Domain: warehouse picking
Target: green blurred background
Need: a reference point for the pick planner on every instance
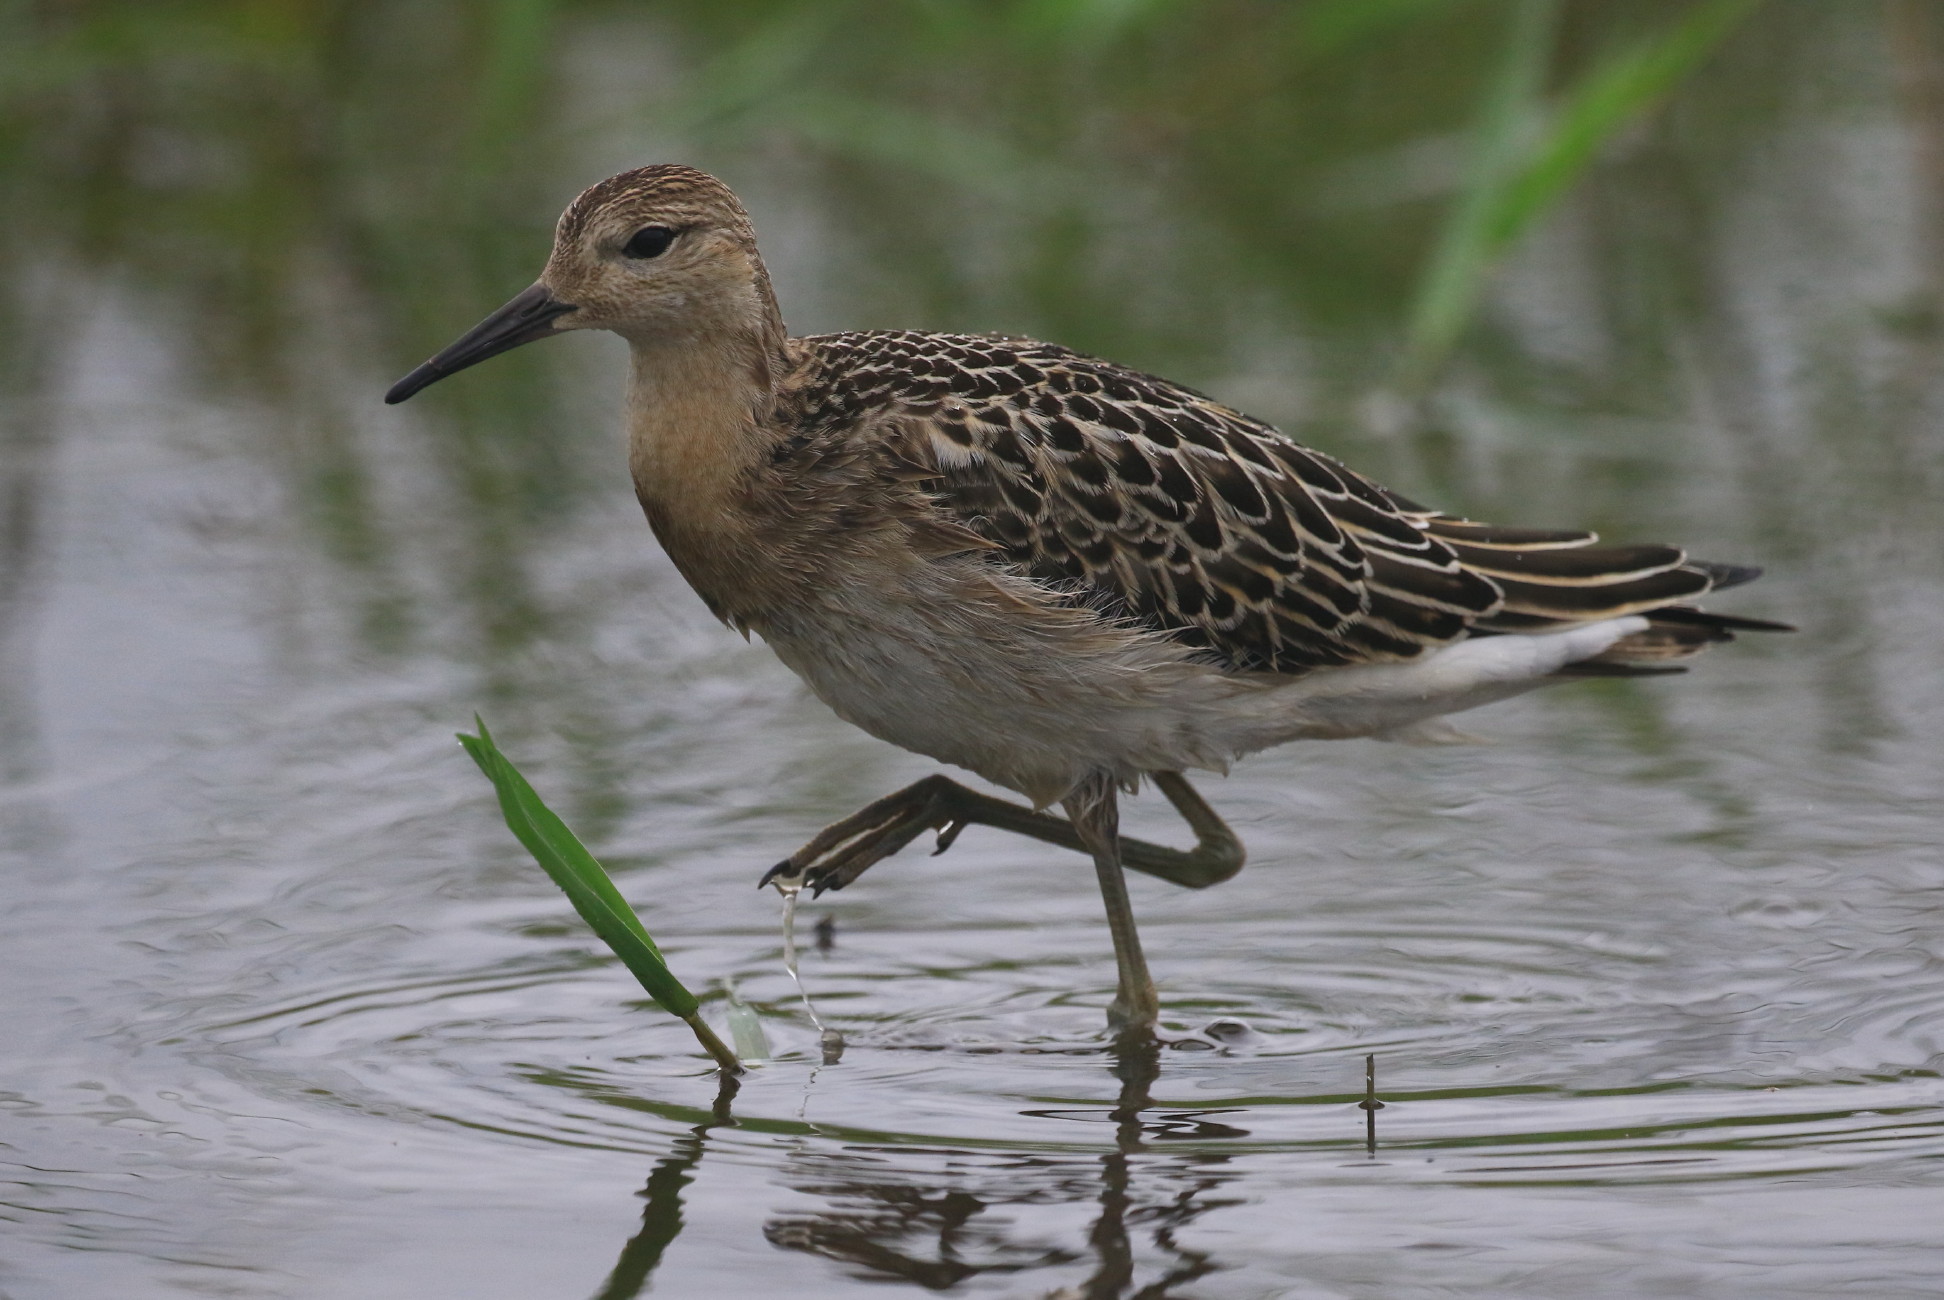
(1366, 219)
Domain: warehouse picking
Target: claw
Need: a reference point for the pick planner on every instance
(947, 835)
(783, 868)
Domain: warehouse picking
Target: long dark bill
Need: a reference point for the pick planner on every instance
(528, 317)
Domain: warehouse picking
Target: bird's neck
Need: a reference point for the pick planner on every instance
(695, 409)
(702, 387)
(697, 433)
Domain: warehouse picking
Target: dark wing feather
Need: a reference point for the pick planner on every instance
(1158, 505)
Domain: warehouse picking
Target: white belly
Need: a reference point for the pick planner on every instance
(1035, 698)
(1029, 711)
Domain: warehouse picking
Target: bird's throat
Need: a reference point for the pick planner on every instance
(693, 432)
(694, 444)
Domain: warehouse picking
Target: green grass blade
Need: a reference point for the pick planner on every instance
(1604, 102)
(579, 876)
(545, 835)
(1466, 247)
(1517, 175)
(588, 888)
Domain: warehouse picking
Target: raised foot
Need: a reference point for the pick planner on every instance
(842, 851)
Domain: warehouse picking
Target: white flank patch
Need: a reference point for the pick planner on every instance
(1384, 698)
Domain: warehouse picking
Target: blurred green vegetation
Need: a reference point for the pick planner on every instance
(219, 149)
(311, 195)
(296, 189)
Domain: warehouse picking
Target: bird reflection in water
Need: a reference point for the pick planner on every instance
(892, 1227)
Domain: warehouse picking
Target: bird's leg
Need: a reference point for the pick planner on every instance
(842, 851)
(1217, 854)
(1094, 810)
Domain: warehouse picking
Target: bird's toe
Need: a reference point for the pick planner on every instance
(818, 879)
(948, 833)
(780, 874)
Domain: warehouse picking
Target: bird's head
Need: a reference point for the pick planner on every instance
(661, 253)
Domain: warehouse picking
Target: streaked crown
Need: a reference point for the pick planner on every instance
(660, 249)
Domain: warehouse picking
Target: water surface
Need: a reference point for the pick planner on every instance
(1654, 973)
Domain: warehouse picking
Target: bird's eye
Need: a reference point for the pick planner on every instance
(649, 241)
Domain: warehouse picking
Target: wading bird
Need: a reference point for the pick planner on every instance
(1061, 574)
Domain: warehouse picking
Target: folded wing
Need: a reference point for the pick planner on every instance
(1157, 505)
